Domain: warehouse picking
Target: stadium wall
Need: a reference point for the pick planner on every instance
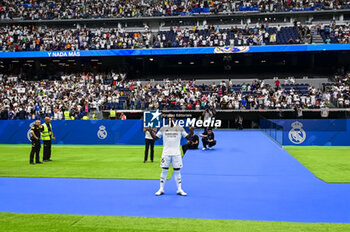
(315, 132)
(78, 132)
(303, 132)
(178, 51)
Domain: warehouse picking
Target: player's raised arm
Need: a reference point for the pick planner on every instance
(189, 135)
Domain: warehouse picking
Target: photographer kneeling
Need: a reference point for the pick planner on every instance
(208, 139)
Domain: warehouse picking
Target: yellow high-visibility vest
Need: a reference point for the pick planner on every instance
(46, 134)
(112, 114)
(66, 115)
(85, 118)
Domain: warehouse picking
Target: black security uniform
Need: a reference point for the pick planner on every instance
(36, 144)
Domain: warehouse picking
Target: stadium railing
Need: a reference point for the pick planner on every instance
(272, 129)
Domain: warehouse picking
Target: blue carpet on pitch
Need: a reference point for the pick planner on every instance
(246, 176)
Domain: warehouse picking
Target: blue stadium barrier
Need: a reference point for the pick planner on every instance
(317, 132)
(248, 8)
(304, 132)
(78, 132)
(200, 10)
(122, 132)
(178, 51)
(308, 8)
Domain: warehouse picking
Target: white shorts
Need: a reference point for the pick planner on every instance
(175, 160)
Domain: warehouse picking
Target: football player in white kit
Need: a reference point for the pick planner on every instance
(171, 153)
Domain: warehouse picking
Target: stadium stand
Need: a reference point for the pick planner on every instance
(334, 33)
(42, 38)
(79, 25)
(75, 9)
(83, 93)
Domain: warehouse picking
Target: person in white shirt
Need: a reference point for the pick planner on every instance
(149, 141)
(172, 135)
(324, 111)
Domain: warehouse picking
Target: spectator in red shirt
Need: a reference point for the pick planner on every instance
(122, 116)
(277, 83)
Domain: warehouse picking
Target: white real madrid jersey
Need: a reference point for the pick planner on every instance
(171, 140)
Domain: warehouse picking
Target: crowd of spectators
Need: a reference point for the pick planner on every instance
(77, 9)
(333, 33)
(82, 93)
(41, 38)
(32, 38)
(291, 5)
(249, 35)
(340, 91)
(256, 95)
(211, 36)
(78, 94)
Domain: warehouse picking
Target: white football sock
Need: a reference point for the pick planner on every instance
(163, 176)
(178, 179)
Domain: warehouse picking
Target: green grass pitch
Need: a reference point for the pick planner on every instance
(78, 223)
(330, 164)
(79, 161)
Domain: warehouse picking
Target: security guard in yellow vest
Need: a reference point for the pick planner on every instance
(112, 114)
(85, 117)
(47, 136)
(94, 117)
(66, 115)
